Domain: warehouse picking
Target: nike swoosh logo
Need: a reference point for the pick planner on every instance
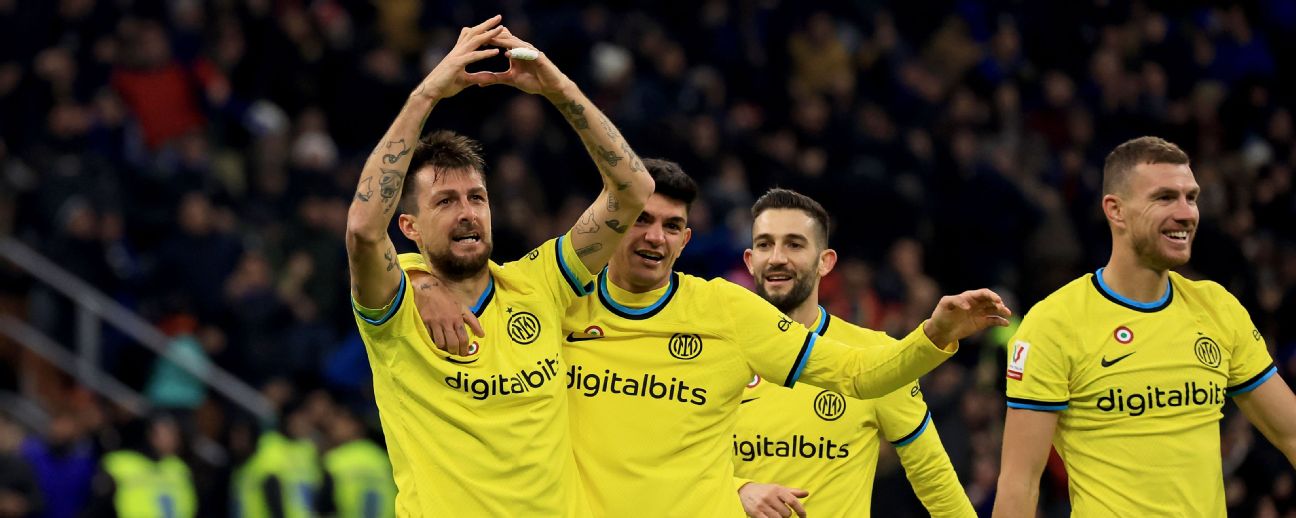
(748, 400)
(571, 337)
(1109, 363)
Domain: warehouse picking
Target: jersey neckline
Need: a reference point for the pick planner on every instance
(821, 323)
(1145, 307)
(484, 300)
(632, 313)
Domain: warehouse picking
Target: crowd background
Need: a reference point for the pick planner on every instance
(195, 160)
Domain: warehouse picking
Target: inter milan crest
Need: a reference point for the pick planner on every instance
(1208, 352)
(829, 405)
(523, 327)
(685, 346)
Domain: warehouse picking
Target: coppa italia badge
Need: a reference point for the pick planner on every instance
(1123, 335)
(1017, 360)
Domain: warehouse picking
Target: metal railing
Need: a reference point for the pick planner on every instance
(93, 309)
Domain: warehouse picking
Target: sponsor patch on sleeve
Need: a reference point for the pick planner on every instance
(1017, 360)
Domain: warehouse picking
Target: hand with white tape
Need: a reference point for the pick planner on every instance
(529, 69)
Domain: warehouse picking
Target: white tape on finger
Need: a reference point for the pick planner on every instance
(524, 54)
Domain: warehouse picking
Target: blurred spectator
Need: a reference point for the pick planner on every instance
(64, 463)
(191, 157)
(20, 496)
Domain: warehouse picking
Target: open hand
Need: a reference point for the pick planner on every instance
(958, 316)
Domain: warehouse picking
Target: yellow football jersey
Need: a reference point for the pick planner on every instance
(484, 434)
(818, 440)
(1139, 388)
(655, 381)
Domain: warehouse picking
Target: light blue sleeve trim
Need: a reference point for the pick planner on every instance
(391, 307)
(572, 280)
(1042, 408)
(917, 433)
(1273, 369)
(805, 358)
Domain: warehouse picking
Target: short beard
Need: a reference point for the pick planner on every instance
(800, 291)
(1145, 250)
(454, 268)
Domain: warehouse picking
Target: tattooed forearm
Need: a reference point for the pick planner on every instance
(587, 225)
(616, 226)
(613, 205)
(389, 186)
(609, 128)
(365, 191)
(608, 156)
(636, 165)
(395, 150)
(390, 256)
(593, 247)
(574, 113)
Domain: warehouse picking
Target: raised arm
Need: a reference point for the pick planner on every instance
(626, 183)
(371, 257)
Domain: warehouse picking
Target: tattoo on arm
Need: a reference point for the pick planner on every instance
(389, 186)
(636, 165)
(608, 156)
(613, 205)
(391, 158)
(616, 226)
(390, 256)
(575, 113)
(587, 225)
(365, 191)
(609, 128)
(593, 247)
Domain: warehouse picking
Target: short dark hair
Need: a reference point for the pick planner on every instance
(1143, 150)
(671, 181)
(779, 198)
(442, 150)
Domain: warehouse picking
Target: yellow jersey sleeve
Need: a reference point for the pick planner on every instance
(1038, 369)
(871, 369)
(1250, 365)
(907, 424)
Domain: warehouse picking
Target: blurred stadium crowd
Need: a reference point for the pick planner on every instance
(195, 160)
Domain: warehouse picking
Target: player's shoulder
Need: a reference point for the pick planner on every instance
(844, 331)
(1203, 291)
(1064, 301)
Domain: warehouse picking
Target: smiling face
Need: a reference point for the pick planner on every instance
(1156, 214)
(786, 257)
(452, 221)
(649, 250)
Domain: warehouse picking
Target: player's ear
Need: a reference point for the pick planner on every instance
(827, 261)
(407, 227)
(1114, 210)
(688, 234)
(747, 260)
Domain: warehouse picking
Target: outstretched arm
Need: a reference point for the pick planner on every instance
(375, 274)
(626, 183)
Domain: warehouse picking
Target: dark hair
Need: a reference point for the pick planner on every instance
(441, 150)
(1143, 150)
(778, 198)
(671, 181)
